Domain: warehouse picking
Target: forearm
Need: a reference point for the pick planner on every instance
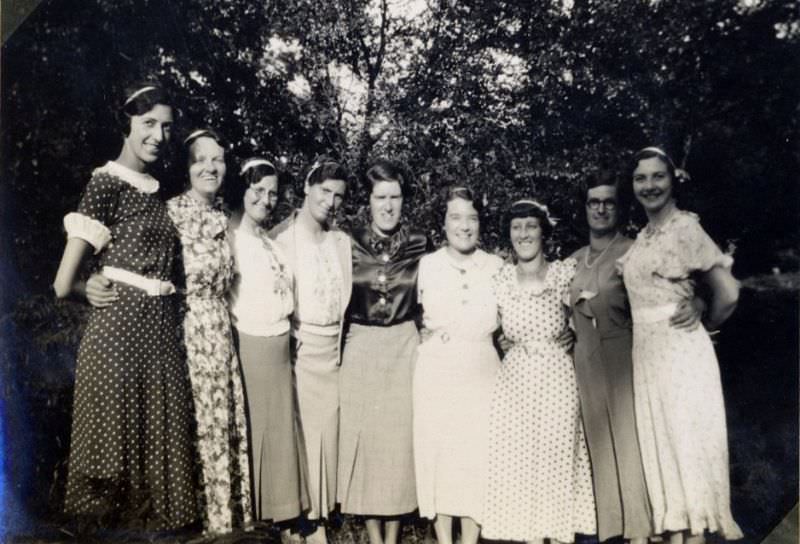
(66, 282)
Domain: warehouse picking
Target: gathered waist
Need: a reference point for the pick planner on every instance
(653, 314)
(153, 287)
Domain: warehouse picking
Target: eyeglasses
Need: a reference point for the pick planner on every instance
(261, 192)
(595, 203)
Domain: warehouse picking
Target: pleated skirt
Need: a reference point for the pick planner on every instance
(278, 484)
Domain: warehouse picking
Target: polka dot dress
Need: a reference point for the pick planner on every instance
(539, 475)
(131, 449)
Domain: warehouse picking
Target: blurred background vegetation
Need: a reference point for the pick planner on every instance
(511, 98)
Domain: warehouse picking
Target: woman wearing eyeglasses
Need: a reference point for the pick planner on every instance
(603, 368)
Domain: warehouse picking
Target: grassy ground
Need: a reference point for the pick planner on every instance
(758, 351)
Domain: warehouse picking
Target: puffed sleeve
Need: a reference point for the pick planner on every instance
(689, 250)
(699, 250)
(95, 212)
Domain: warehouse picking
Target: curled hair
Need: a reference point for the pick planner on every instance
(601, 178)
(251, 171)
(138, 99)
(523, 209)
(323, 169)
(386, 170)
(455, 192)
(187, 146)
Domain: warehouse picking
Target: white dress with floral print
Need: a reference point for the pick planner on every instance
(680, 412)
(213, 366)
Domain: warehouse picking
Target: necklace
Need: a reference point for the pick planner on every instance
(586, 257)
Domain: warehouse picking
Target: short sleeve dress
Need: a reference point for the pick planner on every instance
(680, 412)
(131, 447)
(604, 335)
(539, 475)
(453, 379)
(213, 365)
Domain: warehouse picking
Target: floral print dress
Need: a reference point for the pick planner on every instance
(213, 365)
(680, 412)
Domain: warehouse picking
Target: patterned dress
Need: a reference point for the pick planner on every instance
(131, 449)
(680, 412)
(213, 366)
(539, 475)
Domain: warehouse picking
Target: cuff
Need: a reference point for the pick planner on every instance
(93, 231)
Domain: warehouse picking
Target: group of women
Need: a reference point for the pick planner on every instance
(254, 375)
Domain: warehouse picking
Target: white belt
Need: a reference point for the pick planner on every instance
(154, 288)
(653, 314)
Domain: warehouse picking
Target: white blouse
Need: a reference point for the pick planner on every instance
(457, 296)
(261, 298)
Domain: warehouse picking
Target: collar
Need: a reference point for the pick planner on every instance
(650, 230)
(476, 261)
(388, 244)
(140, 181)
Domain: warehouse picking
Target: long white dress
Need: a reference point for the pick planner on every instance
(540, 482)
(453, 381)
(680, 412)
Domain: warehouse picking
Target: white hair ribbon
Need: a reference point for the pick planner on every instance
(255, 162)
(540, 206)
(195, 134)
(137, 93)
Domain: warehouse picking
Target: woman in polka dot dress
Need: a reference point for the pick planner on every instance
(130, 454)
(539, 475)
(213, 365)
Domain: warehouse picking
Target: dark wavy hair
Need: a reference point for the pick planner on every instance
(249, 177)
(386, 170)
(139, 98)
(601, 178)
(522, 209)
(454, 192)
(325, 168)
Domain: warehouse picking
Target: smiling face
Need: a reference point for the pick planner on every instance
(462, 225)
(149, 134)
(385, 204)
(526, 237)
(323, 199)
(206, 167)
(652, 184)
(602, 211)
(260, 198)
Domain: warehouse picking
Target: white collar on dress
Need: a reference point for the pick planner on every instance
(476, 261)
(138, 180)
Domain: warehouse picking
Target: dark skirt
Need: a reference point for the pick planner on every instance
(279, 491)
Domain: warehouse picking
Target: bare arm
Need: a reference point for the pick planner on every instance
(98, 290)
(75, 252)
(724, 295)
